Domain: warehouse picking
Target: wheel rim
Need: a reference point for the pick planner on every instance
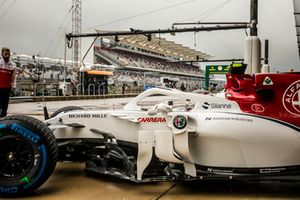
(16, 157)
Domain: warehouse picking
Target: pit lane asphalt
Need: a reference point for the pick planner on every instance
(70, 182)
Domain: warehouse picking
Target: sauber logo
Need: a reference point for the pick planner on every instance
(291, 98)
(151, 119)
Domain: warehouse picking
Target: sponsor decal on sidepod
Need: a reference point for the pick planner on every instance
(151, 119)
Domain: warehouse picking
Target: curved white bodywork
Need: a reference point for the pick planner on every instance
(213, 133)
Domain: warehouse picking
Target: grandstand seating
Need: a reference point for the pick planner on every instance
(134, 66)
(142, 67)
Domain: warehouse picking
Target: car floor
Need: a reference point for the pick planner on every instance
(70, 182)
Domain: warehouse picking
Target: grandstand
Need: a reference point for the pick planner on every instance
(139, 61)
(134, 61)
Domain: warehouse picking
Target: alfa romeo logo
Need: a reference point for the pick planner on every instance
(180, 122)
(291, 98)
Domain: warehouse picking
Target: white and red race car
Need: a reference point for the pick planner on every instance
(252, 133)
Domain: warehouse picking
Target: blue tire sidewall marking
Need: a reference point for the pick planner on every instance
(41, 148)
(10, 189)
(24, 132)
(2, 126)
(44, 157)
(33, 138)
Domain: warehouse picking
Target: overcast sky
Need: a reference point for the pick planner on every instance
(38, 26)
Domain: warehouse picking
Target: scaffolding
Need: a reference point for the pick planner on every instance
(76, 28)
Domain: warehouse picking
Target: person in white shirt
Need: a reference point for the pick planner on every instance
(7, 79)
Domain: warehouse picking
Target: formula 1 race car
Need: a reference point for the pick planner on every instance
(251, 133)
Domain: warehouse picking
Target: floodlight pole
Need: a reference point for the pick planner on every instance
(65, 61)
(266, 52)
(252, 50)
(253, 18)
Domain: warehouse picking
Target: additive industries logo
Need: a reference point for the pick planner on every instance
(291, 98)
(180, 122)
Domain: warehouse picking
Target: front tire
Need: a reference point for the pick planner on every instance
(28, 154)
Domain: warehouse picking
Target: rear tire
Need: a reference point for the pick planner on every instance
(28, 154)
(65, 109)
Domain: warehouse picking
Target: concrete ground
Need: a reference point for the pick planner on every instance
(69, 181)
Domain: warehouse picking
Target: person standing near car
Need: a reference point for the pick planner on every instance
(7, 79)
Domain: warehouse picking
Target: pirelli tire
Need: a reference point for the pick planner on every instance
(65, 109)
(28, 155)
